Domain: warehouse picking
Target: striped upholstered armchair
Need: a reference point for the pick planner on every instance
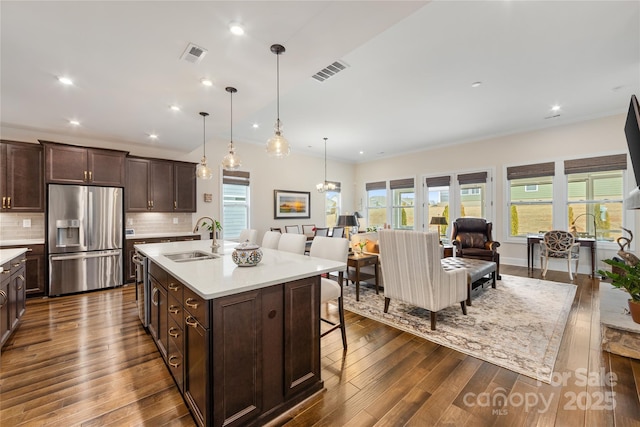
(413, 273)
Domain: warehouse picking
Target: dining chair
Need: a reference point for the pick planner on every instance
(322, 231)
(291, 242)
(338, 232)
(271, 239)
(336, 250)
(250, 235)
(292, 229)
(308, 230)
(559, 244)
(278, 229)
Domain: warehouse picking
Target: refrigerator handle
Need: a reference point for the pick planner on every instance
(85, 255)
(90, 220)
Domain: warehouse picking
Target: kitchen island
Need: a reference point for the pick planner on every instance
(242, 343)
(12, 290)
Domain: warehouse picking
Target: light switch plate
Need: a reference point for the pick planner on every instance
(175, 220)
(26, 223)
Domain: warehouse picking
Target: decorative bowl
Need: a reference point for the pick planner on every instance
(246, 254)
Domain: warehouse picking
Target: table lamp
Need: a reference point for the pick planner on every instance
(347, 221)
(438, 220)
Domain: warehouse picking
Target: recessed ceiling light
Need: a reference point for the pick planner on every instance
(65, 80)
(206, 82)
(555, 108)
(256, 126)
(361, 152)
(476, 84)
(236, 29)
(74, 122)
(175, 108)
(153, 136)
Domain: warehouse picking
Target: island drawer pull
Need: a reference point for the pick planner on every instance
(174, 287)
(154, 292)
(23, 260)
(174, 332)
(174, 309)
(191, 303)
(4, 295)
(190, 321)
(17, 264)
(6, 271)
(21, 277)
(171, 361)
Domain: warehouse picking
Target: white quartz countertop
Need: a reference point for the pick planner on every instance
(157, 235)
(214, 278)
(7, 255)
(21, 242)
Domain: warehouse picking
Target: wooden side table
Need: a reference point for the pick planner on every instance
(357, 261)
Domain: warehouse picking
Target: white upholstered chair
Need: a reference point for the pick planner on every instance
(292, 229)
(291, 242)
(413, 274)
(336, 250)
(271, 239)
(559, 244)
(250, 235)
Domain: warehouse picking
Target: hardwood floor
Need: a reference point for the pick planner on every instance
(86, 360)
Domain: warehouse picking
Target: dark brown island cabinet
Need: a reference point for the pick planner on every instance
(71, 164)
(12, 296)
(242, 359)
(21, 181)
(158, 185)
(35, 269)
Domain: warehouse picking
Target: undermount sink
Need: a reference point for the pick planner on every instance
(191, 256)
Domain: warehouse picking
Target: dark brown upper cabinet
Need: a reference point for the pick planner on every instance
(70, 164)
(21, 183)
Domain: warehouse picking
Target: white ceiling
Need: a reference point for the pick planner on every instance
(407, 87)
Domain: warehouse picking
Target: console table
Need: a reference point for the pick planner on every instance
(584, 241)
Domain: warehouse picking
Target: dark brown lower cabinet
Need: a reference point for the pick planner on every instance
(248, 357)
(13, 296)
(35, 268)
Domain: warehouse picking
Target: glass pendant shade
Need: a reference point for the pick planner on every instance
(231, 161)
(277, 145)
(202, 170)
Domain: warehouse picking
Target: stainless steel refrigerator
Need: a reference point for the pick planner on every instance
(84, 238)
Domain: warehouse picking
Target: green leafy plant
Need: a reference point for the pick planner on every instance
(628, 279)
(210, 226)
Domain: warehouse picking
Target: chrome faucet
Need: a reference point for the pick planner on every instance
(214, 243)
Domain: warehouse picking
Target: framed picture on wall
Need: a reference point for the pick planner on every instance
(291, 204)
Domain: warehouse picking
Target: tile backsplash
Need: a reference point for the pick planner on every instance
(12, 226)
(158, 222)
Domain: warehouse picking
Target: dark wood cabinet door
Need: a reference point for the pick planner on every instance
(197, 372)
(106, 167)
(237, 359)
(23, 182)
(35, 275)
(5, 325)
(137, 188)
(65, 164)
(301, 335)
(161, 186)
(185, 187)
(163, 321)
(154, 304)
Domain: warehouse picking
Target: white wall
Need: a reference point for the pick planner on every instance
(585, 139)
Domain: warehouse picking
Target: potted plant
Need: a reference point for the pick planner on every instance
(626, 277)
(210, 227)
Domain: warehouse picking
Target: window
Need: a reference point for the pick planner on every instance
(403, 197)
(530, 211)
(332, 206)
(235, 203)
(595, 189)
(376, 203)
(473, 194)
(437, 190)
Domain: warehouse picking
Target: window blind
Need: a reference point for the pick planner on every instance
(596, 164)
(235, 177)
(401, 183)
(380, 185)
(438, 181)
(531, 171)
(472, 178)
(337, 184)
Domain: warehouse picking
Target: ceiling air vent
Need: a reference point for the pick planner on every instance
(193, 53)
(329, 71)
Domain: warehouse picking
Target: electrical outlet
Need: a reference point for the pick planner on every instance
(130, 221)
(26, 223)
(175, 220)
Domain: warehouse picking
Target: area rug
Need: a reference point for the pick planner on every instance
(518, 326)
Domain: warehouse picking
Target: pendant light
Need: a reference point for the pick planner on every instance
(231, 161)
(203, 171)
(325, 186)
(277, 145)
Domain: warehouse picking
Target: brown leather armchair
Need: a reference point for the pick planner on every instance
(472, 239)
